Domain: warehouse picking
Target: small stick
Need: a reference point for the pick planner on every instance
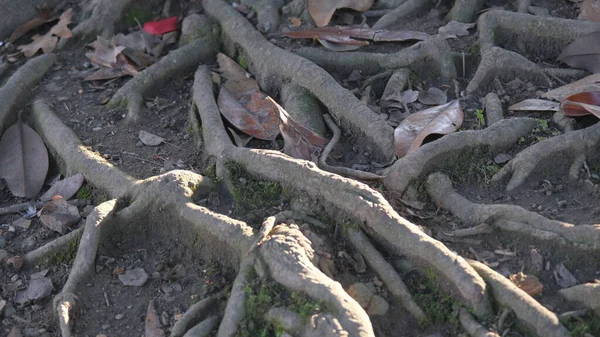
(106, 298)
(479, 229)
(336, 169)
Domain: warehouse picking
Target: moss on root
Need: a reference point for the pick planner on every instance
(584, 326)
(61, 256)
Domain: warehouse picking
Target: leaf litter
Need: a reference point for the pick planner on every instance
(45, 16)
(348, 35)
(583, 52)
(47, 43)
(581, 104)
(59, 215)
(454, 29)
(322, 10)
(65, 188)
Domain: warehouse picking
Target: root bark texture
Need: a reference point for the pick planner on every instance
(408, 8)
(527, 309)
(510, 217)
(470, 324)
(588, 294)
(570, 145)
(498, 137)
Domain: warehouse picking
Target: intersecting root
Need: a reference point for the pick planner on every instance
(18, 87)
(320, 325)
(177, 63)
(498, 137)
(528, 310)
(102, 15)
(352, 198)
(473, 327)
(510, 217)
(588, 294)
(192, 316)
(408, 8)
(580, 143)
(385, 271)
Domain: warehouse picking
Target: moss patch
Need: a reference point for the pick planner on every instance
(582, 326)
(62, 256)
(437, 305)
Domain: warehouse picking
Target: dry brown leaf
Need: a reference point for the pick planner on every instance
(589, 83)
(590, 10)
(338, 46)
(322, 10)
(238, 81)
(254, 115)
(533, 104)
(528, 283)
(433, 96)
(46, 43)
(583, 53)
(442, 119)
(61, 29)
(454, 29)
(44, 17)
(59, 215)
(297, 22)
(66, 188)
(105, 52)
(347, 35)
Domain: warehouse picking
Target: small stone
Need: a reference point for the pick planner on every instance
(86, 211)
(361, 293)
(39, 288)
(81, 91)
(134, 277)
(12, 229)
(378, 306)
(139, 144)
(105, 326)
(23, 223)
(539, 11)
(164, 318)
(98, 128)
(377, 282)
(537, 261)
(502, 158)
(119, 317)
(86, 64)
(540, 208)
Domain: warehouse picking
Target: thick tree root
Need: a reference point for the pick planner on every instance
(465, 10)
(473, 327)
(102, 18)
(352, 198)
(431, 59)
(588, 294)
(177, 63)
(510, 217)
(408, 8)
(541, 320)
(536, 35)
(192, 317)
(498, 137)
(274, 66)
(18, 87)
(493, 108)
(320, 325)
(385, 271)
(236, 305)
(580, 143)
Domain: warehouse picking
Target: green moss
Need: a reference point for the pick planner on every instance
(588, 324)
(252, 196)
(480, 117)
(61, 256)
(102, 197)
(420, 188)
(85, 192)
(437, 305)
(473, 166)
(475, 49)
(211, 172)
(242, 61)
(262, 296)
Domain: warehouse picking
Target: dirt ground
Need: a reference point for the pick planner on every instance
(179, 275)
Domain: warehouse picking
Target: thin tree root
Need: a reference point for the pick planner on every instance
(344, 171)
(588, 294)
(204, 328)
(56, 246)
(18, 87)
(103, 17)
(477, 230)
(493, 108)
(569, 145)
(564, 122)
(235, 310)
(431, 60)
(196, 125)
(385, 271)
(192, 316)
(473, 327)
(465, 10)
(527, 309)
(509, 217)
(355, 199)
(273, 66)
(178, 62)
(408, 8)
(498, 137)
(319, 325)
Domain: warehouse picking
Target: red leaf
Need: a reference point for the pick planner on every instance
(161, 26)
(581, 104)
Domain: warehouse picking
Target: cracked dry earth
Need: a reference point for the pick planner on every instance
(251, 242)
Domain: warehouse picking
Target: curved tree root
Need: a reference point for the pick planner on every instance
(274, 66)
(178, 62)
(385, 271)
(18, 87)
(408, 8)
(580, 143)
(472, 326)
(236, 305)
(510, 217)
(102, 15)
(498, 137)
(588, 294)
(430, 59)
(320, 325)
(541, 320)
(354, 199)
(535, 35)
(192, 316)
(53, 247)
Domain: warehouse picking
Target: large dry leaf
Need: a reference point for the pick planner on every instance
(528, 283)
(589, 83)
(44, 17)
(23, 160)
(59, 215)
(533, 104)
(152, 328)
(339, 47)
(322, 10)
(433, 96)
(581, 104)
(238, 81)
(105, 52)
(66, 188)
(590, 10)
(583, 53)
(255, 115)
(298, 141)
(348, 35)
(47, 43)
(442, 119)
(61, 29)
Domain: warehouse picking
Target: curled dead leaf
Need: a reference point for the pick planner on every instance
(583, 53)
(254, 114)
(59, 215)
(581, 104)
(238, 81)
(528, 283)
(44, 17)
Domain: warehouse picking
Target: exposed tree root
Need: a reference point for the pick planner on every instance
(535, 35)
(510, 217)
(18, 87)
(493, 108)
(352, 198)
(192, 316)
(17, 208)
(102, 17)
(465, 10)
(588, 294)
(477, 230)
(564, 122)
(204, 328)
(177, 63)
(61, 244)
(408, 8)
(385, 271)
(274, 66)
(473, 327)
(348, 172)
(431, 59)
(528, 310)
(498, 137)
(581, 143)
(235, 310)
(320, 325)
